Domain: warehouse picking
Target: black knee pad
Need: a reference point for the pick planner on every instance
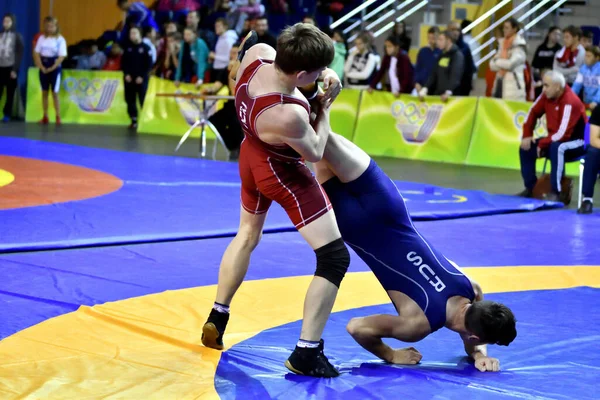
(333, 261)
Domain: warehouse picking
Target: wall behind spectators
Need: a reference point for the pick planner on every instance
(82, 19)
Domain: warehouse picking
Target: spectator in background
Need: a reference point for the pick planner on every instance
(398, 67)
(151, 39)
(570, 58)
(426, 59)
(341, 50)
(543, 59)
(171, 56)
(136, 64)
(445, 78)
(490, 76)
(466, 81)
(588, 78)
(243, 10)
(208, 35)
(587, 39)
(50, 52)
(193, 59)
(401, 36)
(137, 15)
(468, 39)
(361, 64)
(592, 164)
(509, 64)
(175, 9)
(225, 120)
(261, 26)
(91, 58)
(11, 55)
(220, 57)
(565, 121)
(309, 19)
(113, 60)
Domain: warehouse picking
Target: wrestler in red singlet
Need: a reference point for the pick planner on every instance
(274, 172)
(275, 118)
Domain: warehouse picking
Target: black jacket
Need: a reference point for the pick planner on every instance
(18, 46)
(447, 73)
(137, 60)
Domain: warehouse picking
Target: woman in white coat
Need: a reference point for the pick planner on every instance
(509, 63)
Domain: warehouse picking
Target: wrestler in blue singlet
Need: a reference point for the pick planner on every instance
(373, 220)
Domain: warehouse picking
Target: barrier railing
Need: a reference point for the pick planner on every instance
(464, 130)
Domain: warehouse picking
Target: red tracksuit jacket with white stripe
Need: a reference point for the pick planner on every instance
(562, 116)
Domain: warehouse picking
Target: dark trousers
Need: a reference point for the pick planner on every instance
(590, 172)
(559, 153)
(11, 85)
(226, 122)
(133, 91)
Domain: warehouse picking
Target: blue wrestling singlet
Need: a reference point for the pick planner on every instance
(373, 220)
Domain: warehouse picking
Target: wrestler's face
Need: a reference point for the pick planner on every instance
(586, 42)
(360, 45)
(171, 28)
(50, 28)
(306, 78)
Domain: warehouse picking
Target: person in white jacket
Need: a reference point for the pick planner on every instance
(570, 58)
(220, 57)
(361, 64)
(509, 63)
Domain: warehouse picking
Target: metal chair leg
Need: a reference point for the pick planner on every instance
(580, 194)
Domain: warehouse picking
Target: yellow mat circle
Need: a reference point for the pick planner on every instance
(148, 347)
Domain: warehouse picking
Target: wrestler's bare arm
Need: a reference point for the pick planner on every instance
(369, 331)
(288, 123)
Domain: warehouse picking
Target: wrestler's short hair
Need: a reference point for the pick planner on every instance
(448, 36)
(492, 322)
(573, 31)
(303, 47)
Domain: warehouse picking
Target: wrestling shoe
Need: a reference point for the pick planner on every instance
(586, 207)
(213, 330)
(311, 362)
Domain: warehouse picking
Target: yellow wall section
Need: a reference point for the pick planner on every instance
(83, 19)
(148, 347)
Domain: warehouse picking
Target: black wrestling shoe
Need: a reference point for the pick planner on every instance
(213, 330)
(527, 193)
(311, 362)
(586, 207)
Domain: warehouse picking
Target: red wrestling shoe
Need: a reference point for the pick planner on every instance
(44, 121)
(58, 122)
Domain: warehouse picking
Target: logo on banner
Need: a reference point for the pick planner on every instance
(540, 129)
(92, 95)
(416, 121)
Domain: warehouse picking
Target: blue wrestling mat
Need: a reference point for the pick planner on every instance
(164, 199)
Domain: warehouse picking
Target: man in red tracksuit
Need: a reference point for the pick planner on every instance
(565, 121)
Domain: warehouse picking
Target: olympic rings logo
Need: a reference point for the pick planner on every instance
(540, 130)
(91, 95)
(416, 121)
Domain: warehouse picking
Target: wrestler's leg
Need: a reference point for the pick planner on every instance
(232, 271)
(321, 293)
(236, 258)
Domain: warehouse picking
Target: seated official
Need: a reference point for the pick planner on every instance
(565, 122)
(592, 164)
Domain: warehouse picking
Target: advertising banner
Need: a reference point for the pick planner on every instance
(497, 135)
(86, 97)
(405, 127)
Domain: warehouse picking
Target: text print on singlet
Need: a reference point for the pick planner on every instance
(243, 112)
(424, 269)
